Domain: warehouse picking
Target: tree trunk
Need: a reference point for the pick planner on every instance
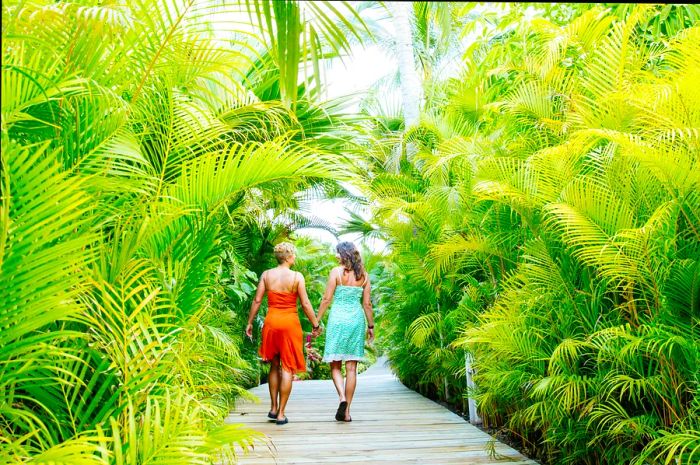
(411, 91)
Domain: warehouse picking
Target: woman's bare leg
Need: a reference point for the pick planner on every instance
(337, 376)
(285, 390)
(273, 383)
(350, 383)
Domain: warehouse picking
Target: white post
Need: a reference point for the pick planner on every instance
(474, 418)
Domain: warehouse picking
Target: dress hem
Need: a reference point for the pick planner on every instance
(295, 371)
(343, 358)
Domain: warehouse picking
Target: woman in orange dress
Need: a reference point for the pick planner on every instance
(281, 334)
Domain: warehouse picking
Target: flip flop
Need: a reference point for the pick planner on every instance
(272, 416)
(282, 422)
(340, 413)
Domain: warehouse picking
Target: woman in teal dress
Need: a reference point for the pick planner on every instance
(349, 290)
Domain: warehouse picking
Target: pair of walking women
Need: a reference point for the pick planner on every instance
(348, 290)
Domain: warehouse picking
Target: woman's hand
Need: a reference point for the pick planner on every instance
(249, 331)
(370, 335)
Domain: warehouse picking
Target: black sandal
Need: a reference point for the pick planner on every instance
(282, 422)
(272, 416)
(340, 413)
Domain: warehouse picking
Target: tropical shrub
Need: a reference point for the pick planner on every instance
(547, 224)
(135, 154)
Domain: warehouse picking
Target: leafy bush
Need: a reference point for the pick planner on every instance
(546, 222)
(136, 155)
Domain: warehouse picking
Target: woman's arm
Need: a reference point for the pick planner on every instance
(328, 295)
(255, 306)
(305, 302)
(369, 312)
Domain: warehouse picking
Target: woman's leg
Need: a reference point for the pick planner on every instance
(273, 382)
(285, 390)
(350, 383)
(337, 376)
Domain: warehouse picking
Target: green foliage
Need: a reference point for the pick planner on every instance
(138, 171)
(548, 225)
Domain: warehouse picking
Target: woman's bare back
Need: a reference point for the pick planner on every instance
(281, 280)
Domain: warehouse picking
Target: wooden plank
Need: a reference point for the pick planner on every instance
(391, 425)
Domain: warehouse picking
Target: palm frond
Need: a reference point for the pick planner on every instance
(210, 180)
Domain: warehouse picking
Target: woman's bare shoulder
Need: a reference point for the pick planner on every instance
(365, 280)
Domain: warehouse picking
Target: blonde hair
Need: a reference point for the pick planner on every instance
(283, 251)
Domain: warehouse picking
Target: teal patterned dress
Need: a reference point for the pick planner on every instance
(345, 332)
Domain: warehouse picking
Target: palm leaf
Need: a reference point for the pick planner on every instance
(210, 180)
(46, 244)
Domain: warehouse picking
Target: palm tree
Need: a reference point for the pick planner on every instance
(300, 33)
(411, 91)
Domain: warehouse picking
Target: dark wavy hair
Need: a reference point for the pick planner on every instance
(350, 258)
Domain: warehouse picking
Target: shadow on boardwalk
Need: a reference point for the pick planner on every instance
(391, 425)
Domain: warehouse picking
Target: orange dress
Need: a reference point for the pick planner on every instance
(281, 332)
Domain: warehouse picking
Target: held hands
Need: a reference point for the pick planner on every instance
(316, 331)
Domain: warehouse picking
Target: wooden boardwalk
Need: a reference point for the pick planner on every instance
(391, 424)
